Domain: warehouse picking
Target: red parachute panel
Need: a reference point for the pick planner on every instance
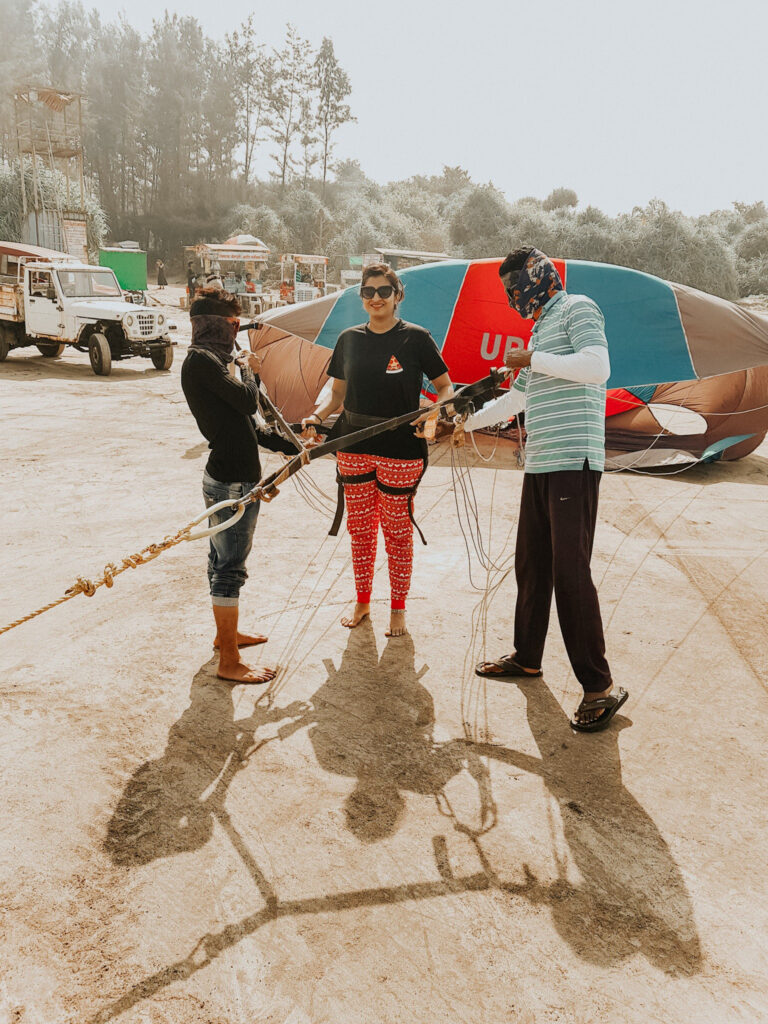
(618, 400)
(483, 325)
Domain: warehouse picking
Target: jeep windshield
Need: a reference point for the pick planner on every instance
(89, 284)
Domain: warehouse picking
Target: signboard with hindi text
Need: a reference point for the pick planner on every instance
(75, 231)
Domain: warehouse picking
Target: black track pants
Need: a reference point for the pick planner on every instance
(555, 533)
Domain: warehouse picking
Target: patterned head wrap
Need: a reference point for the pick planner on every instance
(537, 282)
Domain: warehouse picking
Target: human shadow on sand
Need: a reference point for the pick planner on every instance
(630, 897)
(372, 721)
(169, 805)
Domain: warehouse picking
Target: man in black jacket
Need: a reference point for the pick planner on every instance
(223, 407)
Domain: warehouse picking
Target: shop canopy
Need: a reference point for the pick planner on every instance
(238, 253)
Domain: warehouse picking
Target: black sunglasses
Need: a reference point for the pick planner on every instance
(368, 291)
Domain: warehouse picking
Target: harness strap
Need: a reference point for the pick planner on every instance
(355, 478)
(424, 464)
(339, 513)
(358, 419)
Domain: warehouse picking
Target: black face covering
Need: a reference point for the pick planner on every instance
(215, 334)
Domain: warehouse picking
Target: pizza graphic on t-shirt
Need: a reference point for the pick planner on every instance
(393, 366)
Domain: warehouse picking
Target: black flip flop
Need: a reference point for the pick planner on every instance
(509, 668)
(610, 704)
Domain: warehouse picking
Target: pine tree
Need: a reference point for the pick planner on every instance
(292, 80)
(333, 87)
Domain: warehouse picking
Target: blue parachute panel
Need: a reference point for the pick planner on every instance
(645, 335)
(645, 393)
(430, 306)
(433, 304)
(714, 451)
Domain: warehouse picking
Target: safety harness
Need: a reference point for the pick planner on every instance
(367, 426)
(366, 478)
(360, 421)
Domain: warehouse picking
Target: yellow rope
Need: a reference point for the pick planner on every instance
(107, 578)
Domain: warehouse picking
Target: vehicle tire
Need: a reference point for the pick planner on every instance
(5, 343)
(162, 358)
(100, 355)
(50, 349)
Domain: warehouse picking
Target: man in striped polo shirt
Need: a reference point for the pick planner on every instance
(561, 387)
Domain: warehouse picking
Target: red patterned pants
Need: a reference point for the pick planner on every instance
(367, 505)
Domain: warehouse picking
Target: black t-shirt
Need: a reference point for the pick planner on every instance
(222, 407)
(384, 374)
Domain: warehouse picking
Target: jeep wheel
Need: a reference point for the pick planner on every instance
(50, 349)
(162, 358)
(100, 355)
(5, 343)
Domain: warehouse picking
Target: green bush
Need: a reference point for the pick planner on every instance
(753, 276)
(753, 241)
(560, 198)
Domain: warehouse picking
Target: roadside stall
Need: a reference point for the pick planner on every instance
(240, 262)
(302, 277)
(402, 259)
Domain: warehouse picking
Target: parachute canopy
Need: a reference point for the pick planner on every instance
(657, 332)
(689, 371)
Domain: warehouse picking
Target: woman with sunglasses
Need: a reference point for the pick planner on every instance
(377, 369)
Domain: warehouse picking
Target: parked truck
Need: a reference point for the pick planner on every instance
(50, 300)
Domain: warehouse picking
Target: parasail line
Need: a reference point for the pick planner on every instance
(265, 490)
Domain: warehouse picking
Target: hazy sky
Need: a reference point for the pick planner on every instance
(621, 101)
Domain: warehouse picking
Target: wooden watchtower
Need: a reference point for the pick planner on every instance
(49, 134)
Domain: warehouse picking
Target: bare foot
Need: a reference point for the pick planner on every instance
(396, 623)
(245, 640)
(239, 672)
(361, 612)
(585, 717)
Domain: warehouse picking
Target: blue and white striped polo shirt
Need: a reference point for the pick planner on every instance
(565, 421)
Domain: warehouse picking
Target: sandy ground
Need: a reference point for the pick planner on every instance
(381, 838)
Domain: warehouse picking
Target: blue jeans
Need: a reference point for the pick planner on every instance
(230, 548)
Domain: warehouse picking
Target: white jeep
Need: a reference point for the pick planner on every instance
(55, 302)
